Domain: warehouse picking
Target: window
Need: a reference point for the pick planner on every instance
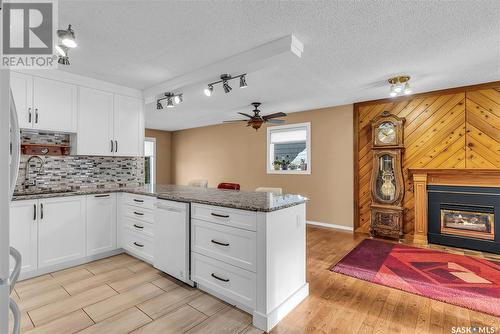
(289, 149)
(149, 160)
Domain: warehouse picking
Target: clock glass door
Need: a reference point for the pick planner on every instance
(385, 182)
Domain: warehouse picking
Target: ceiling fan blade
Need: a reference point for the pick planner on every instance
(247, 115)
(275, 115)
(236, 121)
(275, 121)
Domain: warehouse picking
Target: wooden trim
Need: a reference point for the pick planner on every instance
(420, 198)
(434, 92)
(356, 166)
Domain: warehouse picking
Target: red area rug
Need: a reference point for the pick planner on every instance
(456, 279)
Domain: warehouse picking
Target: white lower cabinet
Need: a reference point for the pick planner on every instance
(61, 230)
(24, 233)
(101, 223)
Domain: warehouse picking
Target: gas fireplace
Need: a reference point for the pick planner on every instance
(464, 217)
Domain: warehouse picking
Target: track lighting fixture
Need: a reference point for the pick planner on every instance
(63, 60)
(224, 79)
(171, 98)
(400, 85)
(67, 37)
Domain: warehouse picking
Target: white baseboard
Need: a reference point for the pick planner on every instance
(334, 226)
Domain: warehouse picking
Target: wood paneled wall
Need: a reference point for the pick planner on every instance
(455, 128)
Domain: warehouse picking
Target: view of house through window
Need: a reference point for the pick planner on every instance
(149, 160)
(288, 149)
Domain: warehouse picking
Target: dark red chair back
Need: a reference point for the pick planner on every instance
(232, 186)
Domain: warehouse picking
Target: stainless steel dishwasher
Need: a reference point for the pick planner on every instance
(172, 239)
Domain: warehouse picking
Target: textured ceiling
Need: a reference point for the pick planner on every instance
(350, 49)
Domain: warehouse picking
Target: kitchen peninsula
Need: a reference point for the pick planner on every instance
(246, 248)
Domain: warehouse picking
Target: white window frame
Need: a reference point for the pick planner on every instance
(153, 160)
(271, 129)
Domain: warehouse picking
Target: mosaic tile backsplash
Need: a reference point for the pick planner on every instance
(62, 173)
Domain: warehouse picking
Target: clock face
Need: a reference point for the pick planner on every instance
(386, 133)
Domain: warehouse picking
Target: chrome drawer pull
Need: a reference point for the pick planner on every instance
(139, 227)
(220, 279)
(138, 245)
(219, 215)
(138, 200)
(219, 243)
(138, 213)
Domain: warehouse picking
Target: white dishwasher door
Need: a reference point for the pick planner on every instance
(171, 235)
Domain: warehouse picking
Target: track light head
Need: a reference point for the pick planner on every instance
(159, 106)
(63, 60)
(178, 99)
(170, 103)
(226, 86)
(62, 50)
(243, 82)
(67, 37)
(209, 90)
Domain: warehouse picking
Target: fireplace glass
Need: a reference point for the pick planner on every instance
(473, 224)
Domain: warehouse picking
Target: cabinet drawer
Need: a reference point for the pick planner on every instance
(232, 245)
(225, 216)
(138, 213)
(140, 201)
(138, 245)
(236, 284)
(138, 227)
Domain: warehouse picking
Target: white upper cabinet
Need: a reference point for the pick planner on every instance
(44, 104)
(128, 126)
(95, 122)
(22, 90)
(54, 104)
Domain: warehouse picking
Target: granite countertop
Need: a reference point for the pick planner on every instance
(244, 200)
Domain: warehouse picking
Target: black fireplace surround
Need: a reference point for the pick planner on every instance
(477, 199)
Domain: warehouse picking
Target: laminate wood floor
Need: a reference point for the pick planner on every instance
(122, 294)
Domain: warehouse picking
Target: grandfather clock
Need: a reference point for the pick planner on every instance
(387, 184)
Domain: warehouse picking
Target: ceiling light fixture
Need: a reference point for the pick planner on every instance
(67, 37)
(400, 85)
(63, 60)
(224, 79)
(171, 98)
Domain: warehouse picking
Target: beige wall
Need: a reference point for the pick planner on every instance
(235, 153)
(163, 155)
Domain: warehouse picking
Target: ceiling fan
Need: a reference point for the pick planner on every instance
(256, 120)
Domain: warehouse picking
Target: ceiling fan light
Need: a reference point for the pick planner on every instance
(226, 86)
(407, 89)
(243, 82)
(209, 90)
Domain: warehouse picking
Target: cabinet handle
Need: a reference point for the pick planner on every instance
(34, 211)
(219, 278)
(138, 200)
(36, 115)
(138, 226)
(138, 213)
(101, 196)
(29, 115)
(219, 215)
(220, 243)
(41, 210)
(112, 147)
(116, 146)
(138, 245)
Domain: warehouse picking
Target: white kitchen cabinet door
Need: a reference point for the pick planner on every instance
(55, 105)
(128, 127)
(61, 230)
(95, 122)
(22, 90)
(101, 223)
(23, 232)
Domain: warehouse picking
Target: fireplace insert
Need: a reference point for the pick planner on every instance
(465, 217)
